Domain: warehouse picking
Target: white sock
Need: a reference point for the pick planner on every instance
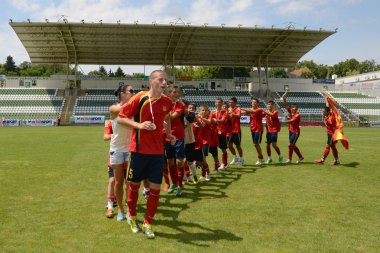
(110, 204)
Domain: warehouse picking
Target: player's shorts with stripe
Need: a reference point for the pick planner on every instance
(329, 139)
(293, 137)
(110, 172)
(257, 137)
(272, 137)
(145, 166)
(175, 151)
(236, 138)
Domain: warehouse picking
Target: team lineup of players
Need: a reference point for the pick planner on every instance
(156, 136)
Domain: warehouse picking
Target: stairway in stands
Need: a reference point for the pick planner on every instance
(67, 110)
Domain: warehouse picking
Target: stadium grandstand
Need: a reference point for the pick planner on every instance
(175, 45)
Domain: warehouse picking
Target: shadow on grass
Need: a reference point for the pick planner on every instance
(350, 165)
(189, 232)
(201, 235)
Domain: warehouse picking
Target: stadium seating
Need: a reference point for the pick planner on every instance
(310, 104)
(30, 103)
(96, 102)
(366, 108)
(207, 97)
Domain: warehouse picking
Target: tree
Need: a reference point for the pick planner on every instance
(111, 74)
(278, 73)
(138, 75)
(119, 72)
(10, 65)
(102, 71)
(367, 66)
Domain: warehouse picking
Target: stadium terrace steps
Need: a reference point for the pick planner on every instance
(30, 103)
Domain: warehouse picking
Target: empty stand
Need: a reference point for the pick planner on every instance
(30, 103)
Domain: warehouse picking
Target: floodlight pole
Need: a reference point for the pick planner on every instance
(267, 76)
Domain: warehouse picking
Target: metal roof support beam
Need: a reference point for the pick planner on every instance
(267, 77)
(259, 71)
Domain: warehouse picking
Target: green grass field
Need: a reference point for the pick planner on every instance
(53, 193)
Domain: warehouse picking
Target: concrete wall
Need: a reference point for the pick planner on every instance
(275, 84)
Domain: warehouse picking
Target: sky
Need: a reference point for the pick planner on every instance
(357, 21)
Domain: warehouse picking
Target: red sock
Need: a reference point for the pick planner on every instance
(277, 150)
(298, 152)
(326, 152)
(335, 152)
(216, 166)
(133, 195)
(224, 157)
(290, 152)
(180, 171)
(111, 198)
(207, 169)
(187, 171)
(151, 205)
(269, 152)
(173, 173)
(166, 174)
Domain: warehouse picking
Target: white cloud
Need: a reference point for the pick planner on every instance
(239, 5)
(107, 10)
(25, 5)
(14, 49)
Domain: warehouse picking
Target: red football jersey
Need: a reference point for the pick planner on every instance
(235, 122)
(108, 127)
(295, 125)
(141, 108)
(330, 123)
(177, 124)
(221, 126)
(273, 123)
(198, 135)
(108, 130)
(256, 122)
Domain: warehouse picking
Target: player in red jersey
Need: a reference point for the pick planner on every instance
(294, 130)
(111, 199)
(176, 154)
(198, 156)
(330, 122)
(234, 113)
(256, 123)
(150, 111)
(209, 136)
(273, 127)
(219, 118)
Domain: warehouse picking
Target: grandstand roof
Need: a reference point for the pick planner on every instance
(142, 44)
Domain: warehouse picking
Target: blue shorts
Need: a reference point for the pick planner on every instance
(222, 141)
(330, 139)
(176, 151)
(293, 137)
(110, 172)
(213, 151)
(272, 137)
(205, 149)
(198, 155)
(236, 138)
(144, 166)
(256, 137)
(189, 152)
